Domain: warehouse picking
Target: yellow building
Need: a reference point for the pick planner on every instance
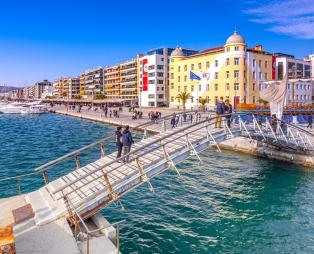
(128, 80)
(112, 81)
(232, 71)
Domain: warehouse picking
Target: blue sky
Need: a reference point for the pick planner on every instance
(48, 39)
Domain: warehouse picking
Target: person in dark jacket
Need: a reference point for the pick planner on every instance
(118, 137)
(127, 141)
(228, 108)
(220, 110)
(310, 121)
(173, 121)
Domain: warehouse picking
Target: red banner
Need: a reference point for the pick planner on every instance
(273, 67)
(145, 75)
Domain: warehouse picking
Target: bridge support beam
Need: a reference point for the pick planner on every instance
(114, 196)
(144, 177)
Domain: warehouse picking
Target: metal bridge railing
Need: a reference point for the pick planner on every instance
(74, 155)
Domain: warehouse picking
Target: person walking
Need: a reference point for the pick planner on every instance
(220, 110)
(119, 140)
(273, 123)
(127, 141)
(173, 121)
(309, 121)
(228, 108)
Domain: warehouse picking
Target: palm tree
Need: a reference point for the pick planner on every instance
(184, 96)
(203, 102)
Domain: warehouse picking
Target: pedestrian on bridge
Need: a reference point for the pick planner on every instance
(173, 121)
(309, 121)
(127, 141)
(220, 110)
(228, 108)
(119, 140)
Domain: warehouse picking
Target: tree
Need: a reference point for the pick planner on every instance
(77, 97)
(203, 102)
(100, 96)
(183, 96)
(64, 94)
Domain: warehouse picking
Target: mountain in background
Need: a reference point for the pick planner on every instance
(5, 89)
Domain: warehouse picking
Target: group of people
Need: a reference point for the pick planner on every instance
(154, 116)
(223, 108)
(124, 141)
(137, 115)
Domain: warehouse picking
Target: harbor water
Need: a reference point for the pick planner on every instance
(230, 203)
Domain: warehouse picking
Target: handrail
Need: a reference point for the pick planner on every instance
(87, 147)
(139, 149)
(134, 151)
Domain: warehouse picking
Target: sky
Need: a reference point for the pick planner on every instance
(50, 39)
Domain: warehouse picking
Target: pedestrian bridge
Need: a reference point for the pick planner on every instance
(89, 188)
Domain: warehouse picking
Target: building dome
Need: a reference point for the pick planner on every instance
(235, 38)
(177, 52)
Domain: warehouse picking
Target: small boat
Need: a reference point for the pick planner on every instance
(12, 108)
(34, 109)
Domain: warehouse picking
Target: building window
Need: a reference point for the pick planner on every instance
(254, 62)
(151, 74)
(244, 99)
(228, 49)
(260, 75)
(216, 87)
(236, 61)
(185, 78)
(260, 63)
(171, 98)
(216, 75)
(160, 82)
(179, 78)
(160, 67)
(192, 99)
(236, 48)
(227, 74)
(207, 87)
(179, 68)
(253, 99)
(207, 99)
(178, 88)
(216, 63)
(266, 64)
(185, 67)
(227, 61)
(185, 88)
(207, 65)
(199, 65)
(236, 74)
(171, 75)
(253, 87)
(227, 87)
(236, 86)
(254, 75)
(192, 88)
(160, 74)
(192, 67)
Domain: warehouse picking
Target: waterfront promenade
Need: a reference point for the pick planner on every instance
(125, 117)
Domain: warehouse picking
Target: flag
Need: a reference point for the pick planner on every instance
(194, 76)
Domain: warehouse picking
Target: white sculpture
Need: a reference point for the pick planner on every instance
(275, 94)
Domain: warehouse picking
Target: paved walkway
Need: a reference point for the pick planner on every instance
(125, 117)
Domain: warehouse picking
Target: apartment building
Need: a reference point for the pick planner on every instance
(92, 82)
(232, 71)
(112, 81)
(128, 81)
(299, 90)
(67, 87)
(40, 87)
(153, 76)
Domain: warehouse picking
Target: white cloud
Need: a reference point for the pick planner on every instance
(290, 17)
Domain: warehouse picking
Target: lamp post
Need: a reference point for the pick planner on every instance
(293, 77)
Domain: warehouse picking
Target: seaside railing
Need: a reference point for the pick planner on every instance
(296, 134)
(293, 138)
(162, 122)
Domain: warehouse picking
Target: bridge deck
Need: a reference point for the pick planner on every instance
(91, 187)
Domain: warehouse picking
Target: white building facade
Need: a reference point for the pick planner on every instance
(299, 79)
(153, 77)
